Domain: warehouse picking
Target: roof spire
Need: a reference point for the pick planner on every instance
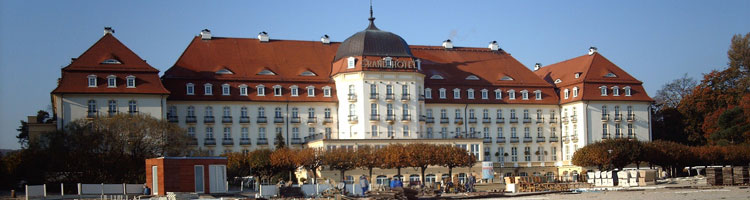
(372, 20)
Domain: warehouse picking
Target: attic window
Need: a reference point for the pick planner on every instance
(308, 73)
(506, 78)
(111, 61)
(436, 77)
(610, 75)
(472, 77)
(578, 74)
(266, 72)
(224, 71)
(557, 81)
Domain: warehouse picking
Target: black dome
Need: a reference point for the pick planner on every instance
(373, 42)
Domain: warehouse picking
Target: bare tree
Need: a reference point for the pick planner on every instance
(672, 92)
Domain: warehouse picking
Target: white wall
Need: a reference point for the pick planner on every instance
(70, 107)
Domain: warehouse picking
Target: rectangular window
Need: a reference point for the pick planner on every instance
(243, 90)
(470, 94)
(191, 132)
(210, 132)
(406, 131)
(484, 94)
(457, 93)
(374, 130)
(208, 89)
(295, 91)
(130, 81)
(261, 91)
(92, 80)
(261, 132)
(244, 133)
(499, 132)
(327, 92)
(310, 91)
(112, 81)
(513, 133)
(498, 94)
(442, 93)
(277, 91)
(227, 133)
(225, 90)
(514, 154)
(428, 93)
(190, 89)
(500, 154)
(554, 153)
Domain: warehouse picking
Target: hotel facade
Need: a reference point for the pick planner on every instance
(237, 94)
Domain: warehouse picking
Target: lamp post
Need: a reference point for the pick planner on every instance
(610, 158)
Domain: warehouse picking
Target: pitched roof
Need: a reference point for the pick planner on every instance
(109, 47)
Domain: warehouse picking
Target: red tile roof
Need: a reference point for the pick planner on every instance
(593, 70)
(75, 76)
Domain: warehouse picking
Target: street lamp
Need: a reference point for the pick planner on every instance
(610, 158)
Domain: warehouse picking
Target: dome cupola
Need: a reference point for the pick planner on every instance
(373, 42)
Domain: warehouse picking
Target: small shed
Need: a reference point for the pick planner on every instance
(186, 174)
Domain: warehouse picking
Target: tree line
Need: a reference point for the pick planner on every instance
(671, 156)
(275, 165)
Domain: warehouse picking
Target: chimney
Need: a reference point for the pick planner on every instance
(325, 39)
(494, 46)
(263, 36)
(447, 44)
(537, 66)
(592, 50)
(108, 30)
(205, 34)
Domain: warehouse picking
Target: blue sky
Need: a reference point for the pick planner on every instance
(655, 41)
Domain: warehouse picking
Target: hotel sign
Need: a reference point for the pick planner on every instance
(394, 64)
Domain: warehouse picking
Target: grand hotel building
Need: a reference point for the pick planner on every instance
(236, 94)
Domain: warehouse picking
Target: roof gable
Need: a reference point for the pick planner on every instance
(109, 54)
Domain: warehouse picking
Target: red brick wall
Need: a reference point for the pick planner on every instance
(177, 175)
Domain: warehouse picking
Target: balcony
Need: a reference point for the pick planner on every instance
(296, 140)
(353, 119)
(605, 117)
(488, 140)
(208, 119)
(429, 120)
(245, 141)
(405, 97)
(193, 141)
(472, 120)
(552, 120)
(172, 119)
(573, 118)
(352, 97)
(500, 120)
(527, 140)
(261, 120)
(190, 119)
(295, 120)
(574, 138)
(458, 120)
(553, 139)
(278, 120)
(209, 141)
(618, 117)
(513, 120)
(390, 118)
(262, 141)
(373, 96)
(565, 119)
(631, 117)
(444, 120)
(405, 117)
(327, 120)
(312, 120)
(513, 139)
(486, 120)
(422, 118)
(565, 139)
(389, 97)
(539, 120)
(500, 140)
(226, 119)
(227, 142)
(526, 120)
(540, 139)
(244, 120)
(374, 117)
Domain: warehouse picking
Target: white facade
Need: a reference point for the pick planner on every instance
(70, 107)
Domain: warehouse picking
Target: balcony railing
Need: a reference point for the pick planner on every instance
(430, 120)
(458, 120)
(472, 120)
(278, 120)
(513, 120)
(227, 141)
(312, 120)
(245, 141)
(226, 119)
(527, 140)
(444, 120)
(513, 139)
(574, 138)
(405, 97)
(539, 120)
(262, 141)
(553, 139)
(618, 117)
(352, 97)
(373, 96)
(540, 139)
(488, 140)
(631, 117)
(190, 119)
(500, 140)
(244, 119)
(565, 119)
(295, 120)
(573, 118)
(296, 140)
(327, 120)
(406, 117)
(353, 119)
(374, 117)
(262, 120)
(422, 118)
(486, 120)
(208, 119)
(500, 120)
(526, 120)
(390, 118)
(553, 119)
(389, 97)
(605, 117)
(209, 141)
(565, 139)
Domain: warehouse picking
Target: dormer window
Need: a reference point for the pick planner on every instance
(557, 81)
(506, 78)
(498, 94)
(615, 91)
(261, 90)
(311, 91)
(442, 93)
(277, 90)
(436, 77)
(472, 77)
(456, 93)
(604, 90)
(190, 89)
(130, 81)
(538, 94)
(575, 91)
(112, 81)
(578, 74)
(224, 71)
(327, 91)
(111, 61)
(627, 91)
(208, 89)
(525, 94)
(470, 93)
(243, 90)
(294, 90)
(350, 62)
(225, 89)
(266, 72)
(388, 62)
(484, 94)
(610, 75)
(566, 93)
(511, 94)
(92, 80)
(308, 73)
(428, 93)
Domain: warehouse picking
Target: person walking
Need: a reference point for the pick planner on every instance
(472, 180)
(364, 184)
